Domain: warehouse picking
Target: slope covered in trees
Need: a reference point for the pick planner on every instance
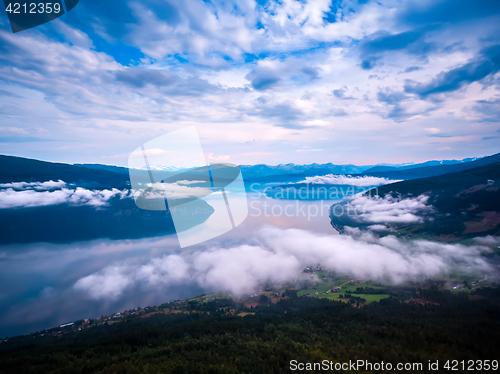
(447, 326)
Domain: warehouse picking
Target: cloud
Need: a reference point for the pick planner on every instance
(375, 209)
(13, 130)
(311, 72)
(488, 63)
(285, 112)
(186, 182)
(122, 73)
(310, 150)
(446, 12)
(390, 96)
(409, 69)
(411, 41)
(25, 195)
(177, 190)
(220, 158)
(108, 285)
(348, 180)
(488, 110)
(340, 93)
(280, 257)
(488, 240)
(37, 186)
(263, 78)
(432, 130)
(379, 228)
(138, 78)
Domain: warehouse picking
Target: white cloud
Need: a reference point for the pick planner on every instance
(280, 257)
(13, 130)
(38, 186)
(348, 180)
(105, 103)
(379, 228)
(375, 209)
(186, 182)
(488, 240)
(176, 190)
(24, 195)
(109, 284)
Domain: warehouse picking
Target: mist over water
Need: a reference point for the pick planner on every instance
(44, 285)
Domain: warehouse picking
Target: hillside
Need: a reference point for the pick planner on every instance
(223, 336)
(19, 169)
(465, 204)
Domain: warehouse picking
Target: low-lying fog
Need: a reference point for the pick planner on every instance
(44, 285)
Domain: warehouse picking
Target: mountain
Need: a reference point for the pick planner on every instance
(407, 173)
(383, 167)
(262, 170)
(115, 169)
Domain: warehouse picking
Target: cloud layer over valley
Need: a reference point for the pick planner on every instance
(278, 256)
(33, 194)
(389, 209)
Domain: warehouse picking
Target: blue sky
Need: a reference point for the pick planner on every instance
(264, 81)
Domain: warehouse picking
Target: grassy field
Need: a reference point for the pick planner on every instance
(346, 286)
(243, 314)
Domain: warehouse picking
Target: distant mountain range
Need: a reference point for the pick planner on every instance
(417, 171)
(18, 169)
(464, 193)
(264, 170)
(381, 168)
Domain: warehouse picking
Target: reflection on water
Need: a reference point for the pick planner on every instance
(37, 280)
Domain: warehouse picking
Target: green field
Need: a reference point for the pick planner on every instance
(346, 286)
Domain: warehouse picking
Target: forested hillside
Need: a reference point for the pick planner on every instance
(414, 325)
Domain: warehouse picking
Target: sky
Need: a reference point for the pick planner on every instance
(273, 82)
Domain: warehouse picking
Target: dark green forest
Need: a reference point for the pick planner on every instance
(446, 326)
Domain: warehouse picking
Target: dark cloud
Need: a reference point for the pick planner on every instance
(487, 63)
(395, 110)
(263, 78)
(411, 41)
(448, 11)
(10, 94)
(390, 96)
(312, 73)
(168, 84)
(489, 110)
(139, 78)
(412, 68)
(341, 93)
(285, 113)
